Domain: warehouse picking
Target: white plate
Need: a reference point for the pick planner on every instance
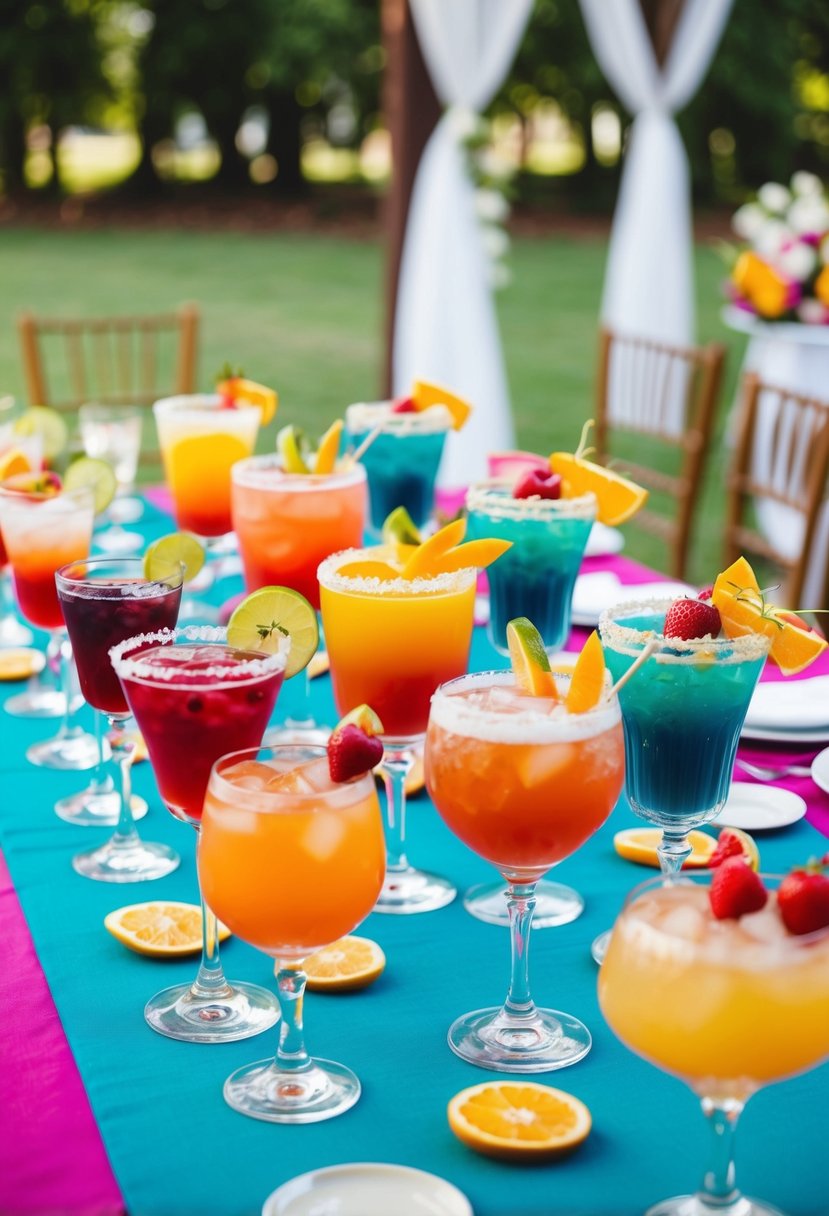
(820, 770)
(367, 1189)
(601, 589)
(767, 735)
(604, 541)
(759, 808)
(790, 705)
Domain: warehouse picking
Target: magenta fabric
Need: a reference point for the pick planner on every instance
(52, 1159)
(160, 498)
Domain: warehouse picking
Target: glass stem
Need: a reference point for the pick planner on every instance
(122, 747)
(396, 767)
(57, 661)
(521, 905)
(291, 1055)
(302, 718)
(100, 782)
(719, 1193)
(210, 981)
(672, 852)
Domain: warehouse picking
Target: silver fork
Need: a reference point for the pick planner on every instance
(767, 773)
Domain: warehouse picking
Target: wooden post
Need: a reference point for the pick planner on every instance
(32, 369)
(411, 110)
(661, 17)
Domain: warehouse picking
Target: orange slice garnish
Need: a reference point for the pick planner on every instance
(351, 962)
(588, 679)
(640, 845)
(421, 563)
(518, 1120)
(617, 497)
(475, 553)
(238, 389)
(329, 448)
(425, 394)
(12, 462)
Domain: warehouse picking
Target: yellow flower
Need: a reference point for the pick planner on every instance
(822, 287)
(761, 285)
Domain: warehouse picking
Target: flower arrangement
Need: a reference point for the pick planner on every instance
(491, 176)
(783, 275)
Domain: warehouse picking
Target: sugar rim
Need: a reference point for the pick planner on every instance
(145, 588)
(16, 498)
(459, 717)
(366, 415)
(206, 404)
(139, 669)
(438, 584)
(258, 473)
(265, 802)
(493, 498)
(626, 640)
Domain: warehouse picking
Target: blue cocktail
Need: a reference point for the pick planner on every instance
(535, 578)
(402, 462)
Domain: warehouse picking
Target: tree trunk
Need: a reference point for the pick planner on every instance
(285, 142)
(233, 171)
(13, 154)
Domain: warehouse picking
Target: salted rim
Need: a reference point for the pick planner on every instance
(438, 584)
(343, 793)
(494, 498)
(199, 403)
(85, 588)
(15, 498)
(459, 717)
(266, 473)
(364, 416)
(139, 669)
(626, 640)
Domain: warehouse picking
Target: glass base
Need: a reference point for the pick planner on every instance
(407, 891)
(542, 1042)
(72, 751)
(238, 1011)
(12, 633)
(695, 1205)
(304, 733)
(117, 540)
(555, 904)
(90, 809)
(38, 701)
(263, 1091)
(139, 861)
(599, 945)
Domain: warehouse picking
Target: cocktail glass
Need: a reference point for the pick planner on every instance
(113, 433)
(682, 711)
(391, 643)
(402, 462)
(12, 631)
(523, 783)
(286, 524)
(728, 1006)
(194, 696)
(534, 578)
(41, 533)
(104, 601)
(291, 861)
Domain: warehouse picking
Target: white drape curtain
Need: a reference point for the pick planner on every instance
(445, 324)
(649, 286)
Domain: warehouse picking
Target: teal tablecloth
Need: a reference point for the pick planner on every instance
(178, 1150)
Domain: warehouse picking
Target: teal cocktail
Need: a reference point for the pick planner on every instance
(402, 462)
(535, 578)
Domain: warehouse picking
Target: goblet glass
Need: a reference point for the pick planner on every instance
(523, 783)
(193, 696)
(113, 433)
(728, 1006)
(291, 861)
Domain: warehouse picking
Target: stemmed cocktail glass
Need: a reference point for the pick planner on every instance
(193, 696)
(104, 601)
(391, 642)
(728, 1006)
(113, 433)
(12, 448)
(286, 524)
(291, 861)
(534, 578)
(683, 711)
(523, 782)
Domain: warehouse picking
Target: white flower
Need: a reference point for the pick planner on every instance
(809, 214)
(495, 241)
(807, 184)
(824, 250)
(748, 221)
(774, 197)
(798, 261)
(491, 205)
(812, 312)
(771, 238)
(494, 166)
(499, 276)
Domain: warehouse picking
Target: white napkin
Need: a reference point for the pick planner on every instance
(603, 540)
(595, 592)
(790, 705)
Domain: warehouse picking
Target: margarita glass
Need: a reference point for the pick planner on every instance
(104, 601)
(291, 861)
(523, 783)
(43, 532)
(194, 696)
(534, 578)
(728, 1006)
(391, 643)
(402, 462)
(286, 524)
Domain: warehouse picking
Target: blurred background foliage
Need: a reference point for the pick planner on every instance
(269, 96)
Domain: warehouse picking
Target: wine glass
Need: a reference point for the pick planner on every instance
(113, 433)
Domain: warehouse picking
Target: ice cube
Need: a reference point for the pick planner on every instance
(764, 926)
(536, 765)
(685, 922)
(324, 835)
(249, 775)
(290, 783)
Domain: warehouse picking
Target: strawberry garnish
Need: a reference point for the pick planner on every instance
(691, 619)
(536, 483)
(736, 890)
(354, 747)
(803, 898)
(728, 845)
(706, 593)
(404, 405)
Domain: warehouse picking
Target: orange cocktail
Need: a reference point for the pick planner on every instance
(200, 440)
(524, 782)
(287, 523)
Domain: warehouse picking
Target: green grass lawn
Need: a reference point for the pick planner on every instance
(304, 312)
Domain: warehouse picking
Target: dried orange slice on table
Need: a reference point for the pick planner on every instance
(160, 929)
(345, 965)
(640, 845)
(518, 1120)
